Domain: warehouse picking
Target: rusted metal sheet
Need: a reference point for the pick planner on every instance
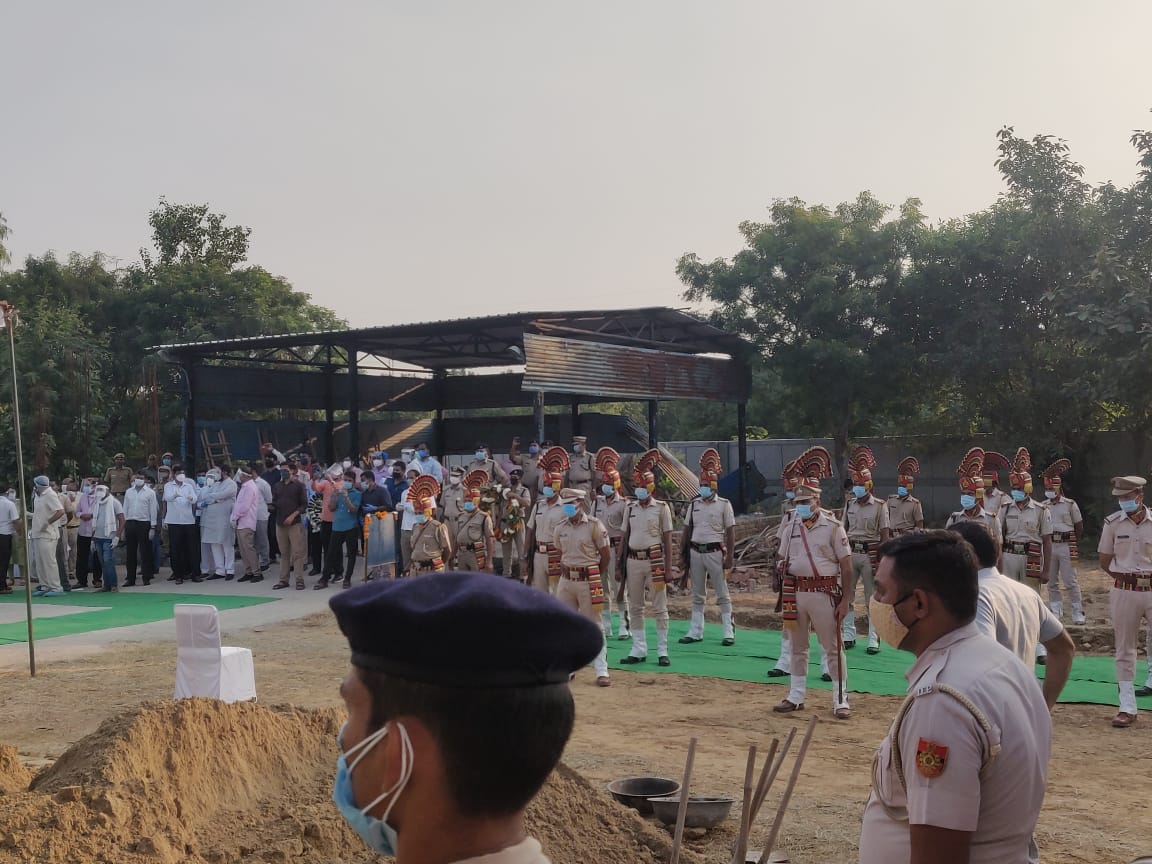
(598, 369)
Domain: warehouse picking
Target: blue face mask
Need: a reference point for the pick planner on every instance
(201, 481)
(469, 506)
(481, 455)
(607, 490)
(859, 491)
(641, 494)
(902, 491)
(789, 494)
(167, 461)
(376, 833)
(422, 454)
(548, 492)
(347, 485)
(804, 511)
(1129, 506)
(533, 449)
(706, 491)
(1018, 495)
(570, 510)
(421, 518)
(967, 501)
(86, 489)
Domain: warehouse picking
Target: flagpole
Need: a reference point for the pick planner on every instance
(10, 316)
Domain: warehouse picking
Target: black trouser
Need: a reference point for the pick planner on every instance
(84, 562)
(273, 544)
(184, 549)
(136, 533)
(350, 541)
(5, 559)
(315, 549)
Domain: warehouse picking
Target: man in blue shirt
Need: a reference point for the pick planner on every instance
(344, 504)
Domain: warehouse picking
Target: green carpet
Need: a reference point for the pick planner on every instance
(1093, 679)
(124, 609)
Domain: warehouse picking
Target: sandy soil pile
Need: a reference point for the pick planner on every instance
(199, 781)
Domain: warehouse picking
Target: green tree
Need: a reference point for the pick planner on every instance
(5, 257)
(813, 290)
(192, 234)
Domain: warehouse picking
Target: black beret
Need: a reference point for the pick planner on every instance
(465, 630)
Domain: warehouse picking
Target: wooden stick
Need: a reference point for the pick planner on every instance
(771, 778)
(682, 811)
(746, 809)
(788, 790)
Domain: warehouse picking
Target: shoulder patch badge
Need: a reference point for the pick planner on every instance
(931, 758)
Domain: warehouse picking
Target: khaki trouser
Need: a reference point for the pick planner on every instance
(540, 571)
(861, 572)
(1062, 571)
(511, 550)
(704, 566)
(1016, 567)
(575, 595)
(466, 560)
(293, 543)
(406, 548)
(1127, 609)
(640, 587)
(246, 539)
(72, 539)
(819, 610)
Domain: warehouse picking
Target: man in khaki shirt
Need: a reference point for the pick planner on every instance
(961, 774)
(709, 537)
(609, 508)
(1067, 529)
(992, 498)
(1126, 556)
(818, 562)
(905, 513)
(475, 537)
(644, 559)
(118, 477)
(581, 468)
(971, 483)
(452, 497)
(541, 560)
(866, 523)
(530, 463)
(584, 553)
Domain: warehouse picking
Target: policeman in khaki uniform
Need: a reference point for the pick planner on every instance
(1067, 529)
(119, 477)
(483, 461)
(992, 498)
(581, 468)
(818, 564)
(971, 483)
(644, 559)
(475, 538)
(866, 522)
(584, 555)
(541, 560)
(964, 766)
(431, 544)
(610, 508)
(515, 507)
(1126, 555)
(905, 513)
(790, 478)
(452, 498)
(530, 464)
(709, 538)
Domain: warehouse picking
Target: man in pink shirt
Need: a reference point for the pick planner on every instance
(248, 499)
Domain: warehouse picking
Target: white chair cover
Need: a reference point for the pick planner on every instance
(203, 667)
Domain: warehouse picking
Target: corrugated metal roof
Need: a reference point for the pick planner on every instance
(597, 369)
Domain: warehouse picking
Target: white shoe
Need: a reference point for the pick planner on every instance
(1078, 618)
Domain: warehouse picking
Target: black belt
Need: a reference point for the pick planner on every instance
(706, 547)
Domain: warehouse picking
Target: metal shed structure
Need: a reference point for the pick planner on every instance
(518, 360)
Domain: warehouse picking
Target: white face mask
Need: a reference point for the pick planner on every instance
(347, 464)
(180, 477)
(1049, 494)
(139, 484)
(455, 481)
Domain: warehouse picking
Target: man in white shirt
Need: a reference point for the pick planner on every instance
(1015, 615)
(9, 525)
(141, 516)
(180, 496)
(44, 535)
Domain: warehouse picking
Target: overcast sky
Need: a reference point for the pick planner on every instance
(410, 161)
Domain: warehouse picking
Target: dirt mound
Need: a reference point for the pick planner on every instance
(207, 783)
(14, 777)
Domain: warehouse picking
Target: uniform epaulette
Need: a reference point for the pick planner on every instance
(1118, 515)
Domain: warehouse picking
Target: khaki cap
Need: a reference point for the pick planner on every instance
(579, 439)
(572, 494)
(1124, 485)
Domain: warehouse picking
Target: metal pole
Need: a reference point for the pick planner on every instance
(9, 313)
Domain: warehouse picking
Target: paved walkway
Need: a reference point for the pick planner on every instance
(290, 604)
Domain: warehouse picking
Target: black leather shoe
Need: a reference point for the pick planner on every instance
(1041, 661)
(664, 661)
(728, 641)
(197, 579)
(873, 649)
(776, 673)
(229, 577)
(826, 678)
(130, 584)
(849, 644)
(257, 578)
(247, 577)
(630, 660)
(215, 576)
(321, 585)
(1144, 691)
(688, 640)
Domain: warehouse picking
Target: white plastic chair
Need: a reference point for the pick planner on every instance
(203, 667)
